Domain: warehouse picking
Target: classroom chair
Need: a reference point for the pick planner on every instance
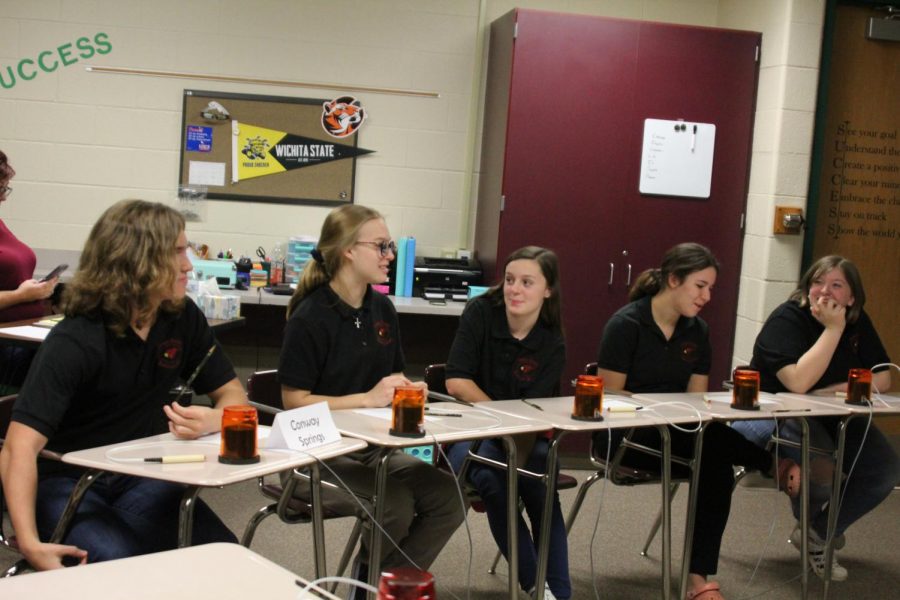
(65, 520)
(435, 377)
(264, 393)
(619, 474)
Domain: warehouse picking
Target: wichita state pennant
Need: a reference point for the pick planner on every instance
(257, 151)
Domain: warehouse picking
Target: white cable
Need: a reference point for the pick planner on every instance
(696, 429)
(594, 578)
(369, 515)
(465, 509)
(301, 595)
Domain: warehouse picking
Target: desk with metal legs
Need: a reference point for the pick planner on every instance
(881, 405)
(199, 475)
(474, 424)
(716, 406)
(557, 413)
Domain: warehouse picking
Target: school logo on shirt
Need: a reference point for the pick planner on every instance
(169, 354)
(383, 333)
(524, 369)
(689, 352)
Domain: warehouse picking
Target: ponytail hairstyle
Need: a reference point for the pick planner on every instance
(819, 269)
(680, 261)
(551, 309)
(340, 232)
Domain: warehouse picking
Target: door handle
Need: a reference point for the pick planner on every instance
(612, 270)
(628, 276)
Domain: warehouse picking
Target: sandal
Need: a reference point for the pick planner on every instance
(710, 591)
(788, 477)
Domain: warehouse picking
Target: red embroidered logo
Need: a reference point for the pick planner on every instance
(169, 354)
(524, 369)
(689, 352)
(383, 333)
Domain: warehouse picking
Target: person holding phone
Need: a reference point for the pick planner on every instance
(102, 376)
(342, 346)
(21, 296)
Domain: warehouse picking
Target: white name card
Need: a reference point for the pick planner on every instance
(303, 428)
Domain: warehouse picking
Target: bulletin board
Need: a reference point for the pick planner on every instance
(677, 158)
(208, 157)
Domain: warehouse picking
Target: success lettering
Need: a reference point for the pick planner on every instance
(50, 60)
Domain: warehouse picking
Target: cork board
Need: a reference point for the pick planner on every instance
(211, 150)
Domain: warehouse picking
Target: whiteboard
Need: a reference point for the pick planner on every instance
(677, 158)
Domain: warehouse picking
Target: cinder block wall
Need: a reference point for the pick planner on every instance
(81, 141)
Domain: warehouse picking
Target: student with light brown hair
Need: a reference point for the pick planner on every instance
(103, 376)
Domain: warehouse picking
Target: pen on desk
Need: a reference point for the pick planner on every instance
(621, 409)
(440, 413)
(537, 406)
(176, 458)
(694, 138)
(780, 410)
(187, 385)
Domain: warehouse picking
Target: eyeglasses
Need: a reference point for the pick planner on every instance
(5, 190)
(383, 247)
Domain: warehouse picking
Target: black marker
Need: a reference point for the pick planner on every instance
(437, 413)
(196, 372)
(537, 406)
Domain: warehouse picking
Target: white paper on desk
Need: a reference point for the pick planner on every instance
(206, 173)
(764, 398)
(385, 413)
(303, 428)
(27, 331)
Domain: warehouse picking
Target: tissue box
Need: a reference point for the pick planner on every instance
(222, 307)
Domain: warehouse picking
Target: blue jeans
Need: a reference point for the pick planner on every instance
(123, 516)
(873, 477)
(491, 486)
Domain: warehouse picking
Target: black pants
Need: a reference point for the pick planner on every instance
(723, 448)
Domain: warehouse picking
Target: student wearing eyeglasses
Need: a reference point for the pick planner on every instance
(21, 296)
(342, 346)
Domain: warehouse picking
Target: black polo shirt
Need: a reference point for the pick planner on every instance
(503, 367)
(333, 349)
(88, 387)
(634, 344)
(791, 330)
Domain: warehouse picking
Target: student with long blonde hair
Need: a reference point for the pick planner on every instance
(342, 346)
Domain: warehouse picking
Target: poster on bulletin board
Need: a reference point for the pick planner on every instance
(271, 148)
(677, 158)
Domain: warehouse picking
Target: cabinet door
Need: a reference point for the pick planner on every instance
(702, 75)
(579, 91)
(573, 83)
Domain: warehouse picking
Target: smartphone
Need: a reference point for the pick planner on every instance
(54, 273)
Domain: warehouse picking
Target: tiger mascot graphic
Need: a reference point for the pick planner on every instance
(342, 116)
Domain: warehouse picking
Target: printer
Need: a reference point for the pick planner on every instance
(223, 270)
(445, 278)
